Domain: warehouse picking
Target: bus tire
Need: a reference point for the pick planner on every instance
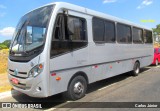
(77, 88)
(136, 69)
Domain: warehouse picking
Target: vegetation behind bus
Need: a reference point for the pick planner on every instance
(5, 44)
(156, 34)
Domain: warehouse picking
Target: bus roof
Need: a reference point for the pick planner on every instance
(95, 13)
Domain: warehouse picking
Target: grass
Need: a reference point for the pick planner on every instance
(3, 60)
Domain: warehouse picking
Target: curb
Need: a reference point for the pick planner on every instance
(9, 94)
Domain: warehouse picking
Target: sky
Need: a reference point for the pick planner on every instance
(143, 12)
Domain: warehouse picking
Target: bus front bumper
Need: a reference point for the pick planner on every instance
(28, 86)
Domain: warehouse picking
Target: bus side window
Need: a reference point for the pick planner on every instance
(110, 32)
(59, 28)
(124, 33)
(148, 36)
(77, 32)
(76, 29)
(137, 35)
(69, 34)
(98, 30)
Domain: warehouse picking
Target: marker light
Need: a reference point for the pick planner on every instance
(58, 78)
(36, 70)
(40, 66)
(53, 74)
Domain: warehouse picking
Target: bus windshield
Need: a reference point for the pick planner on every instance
(31, 30)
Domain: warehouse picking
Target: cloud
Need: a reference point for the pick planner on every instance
(2, 6)
(145, 3)
(2, 14)
(109, 1)
(7, 31)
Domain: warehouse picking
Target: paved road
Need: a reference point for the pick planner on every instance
(122, 88)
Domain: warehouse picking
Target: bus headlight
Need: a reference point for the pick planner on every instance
(36, 70)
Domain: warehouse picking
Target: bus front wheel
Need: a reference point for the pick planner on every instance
(77, 88)
(136, 69)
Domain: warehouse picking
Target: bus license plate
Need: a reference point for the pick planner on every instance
(14, 80)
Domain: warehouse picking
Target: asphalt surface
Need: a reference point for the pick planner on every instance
(122, 88)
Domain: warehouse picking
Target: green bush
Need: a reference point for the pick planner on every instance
(5, 44)
(2, 46)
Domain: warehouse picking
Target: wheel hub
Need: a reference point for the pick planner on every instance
(78, 88)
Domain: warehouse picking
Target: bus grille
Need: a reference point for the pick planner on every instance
(19, 85)
(22, 75)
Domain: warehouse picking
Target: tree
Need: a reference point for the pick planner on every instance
(157, 30)
(7, 43)
(156, 33)
(2, 46)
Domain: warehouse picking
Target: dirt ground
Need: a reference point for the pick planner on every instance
(4, 83)
(3, 61)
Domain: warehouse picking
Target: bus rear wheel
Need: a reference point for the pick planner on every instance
(136, 69)
(77, 88)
